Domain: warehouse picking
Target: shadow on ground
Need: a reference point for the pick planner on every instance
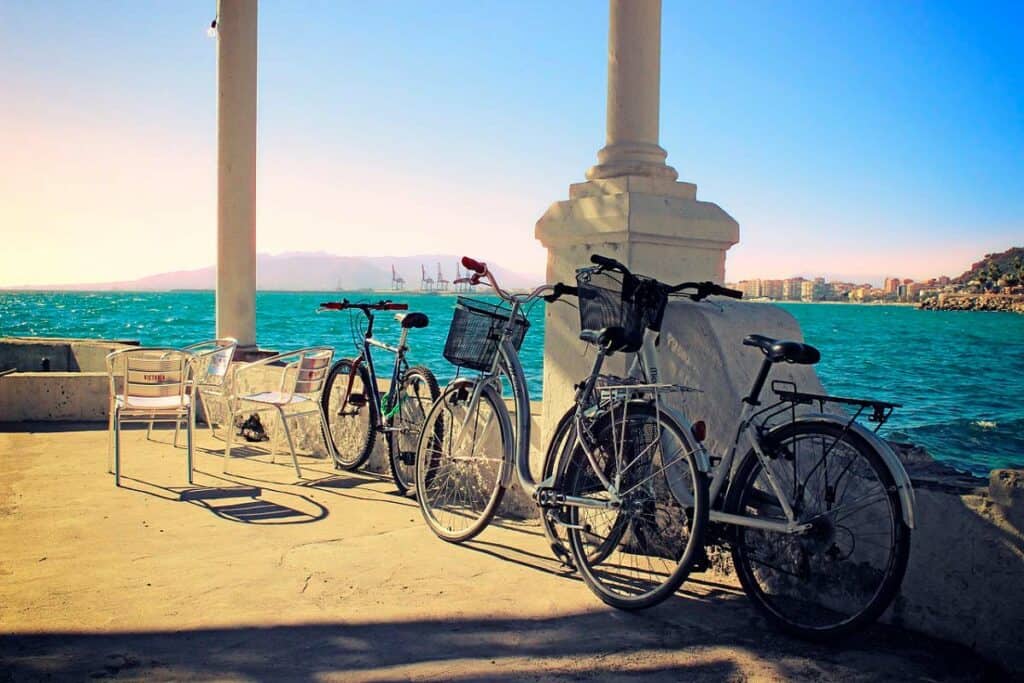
(599, 645)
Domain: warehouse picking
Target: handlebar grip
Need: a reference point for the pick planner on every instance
(472, 264)
(606, 262)
(561, 290)
(733, 293)
(334, 305)
(389, 306)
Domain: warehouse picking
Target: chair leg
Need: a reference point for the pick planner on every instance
(326, 429)
(209, 418)
(227, 442)
(117, 449)
(149, 429)
(291, 444)
(110, 439)
(189, 429)
(177, 428)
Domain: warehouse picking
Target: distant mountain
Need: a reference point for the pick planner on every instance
(1007, 262)
(314, 271)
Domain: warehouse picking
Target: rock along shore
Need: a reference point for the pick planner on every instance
(1007, 303)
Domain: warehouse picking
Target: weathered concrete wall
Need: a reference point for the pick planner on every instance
(966, 567)
(54, 396)
(25, 354)
(75, 389)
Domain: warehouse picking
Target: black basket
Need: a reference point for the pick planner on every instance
(609, 299)
(475, 333)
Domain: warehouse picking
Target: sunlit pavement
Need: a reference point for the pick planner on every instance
(257, 575)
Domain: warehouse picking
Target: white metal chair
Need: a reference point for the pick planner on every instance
(149, 385)
(209, 376)
(298, 394)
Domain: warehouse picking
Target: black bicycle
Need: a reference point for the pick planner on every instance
(357, 411)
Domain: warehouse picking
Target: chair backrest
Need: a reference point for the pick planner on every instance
(308, 372)
(148, 372)
(212, 361)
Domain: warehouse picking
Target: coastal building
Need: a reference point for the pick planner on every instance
(772, 289)
(791, 288)
(891, 285)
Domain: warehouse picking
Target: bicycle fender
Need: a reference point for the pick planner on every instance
(696, 447)
(889, 457)
(505, 422)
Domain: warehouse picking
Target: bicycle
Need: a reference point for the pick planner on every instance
(632, 538)
(355, 409)
(817, 513)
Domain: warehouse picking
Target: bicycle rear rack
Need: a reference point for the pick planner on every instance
(790, 397)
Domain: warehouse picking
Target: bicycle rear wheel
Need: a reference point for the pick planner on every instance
(416, 394)
(840, 575)
(638, 554)
(460, 461)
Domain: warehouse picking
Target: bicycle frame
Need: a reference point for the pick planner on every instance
(366, 356)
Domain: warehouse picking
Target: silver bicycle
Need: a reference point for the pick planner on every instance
(631, 494)
(817, 511)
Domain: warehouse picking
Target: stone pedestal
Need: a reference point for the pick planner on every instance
(654, 226)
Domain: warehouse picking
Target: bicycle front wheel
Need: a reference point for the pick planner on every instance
(351, 413)
(843, 572)
(415, 396)
(460, 461)
(637, 554)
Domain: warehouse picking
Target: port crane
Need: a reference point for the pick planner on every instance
(442, 284)
(426, 282)
(397, 281)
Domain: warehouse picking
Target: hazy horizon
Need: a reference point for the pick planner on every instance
(857, 139)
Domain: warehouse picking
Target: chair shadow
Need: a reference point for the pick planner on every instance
(223, 501)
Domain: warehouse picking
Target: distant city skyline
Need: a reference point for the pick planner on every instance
(849, 140)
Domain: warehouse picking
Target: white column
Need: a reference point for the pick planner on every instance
(632, 208)
(634, 82)
(236, 170)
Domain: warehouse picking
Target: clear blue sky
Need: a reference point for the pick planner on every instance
(852, 139)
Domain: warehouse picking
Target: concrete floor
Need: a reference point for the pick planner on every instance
(257, 576)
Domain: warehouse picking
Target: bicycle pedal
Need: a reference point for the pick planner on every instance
(563, 556)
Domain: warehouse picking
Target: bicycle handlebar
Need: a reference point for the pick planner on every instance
(384, 305)
(704, 289)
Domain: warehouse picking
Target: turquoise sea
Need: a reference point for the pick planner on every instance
(959, 375)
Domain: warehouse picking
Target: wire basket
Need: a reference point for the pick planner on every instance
(476, 331)
(625, 302)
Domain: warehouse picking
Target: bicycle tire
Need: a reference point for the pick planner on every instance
(665, 531)
(353, 428)
(779, 598)
(474, 509)
(406, 426)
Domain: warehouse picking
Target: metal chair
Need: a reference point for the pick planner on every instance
(210, 374)
(149, 385)
(298, 394)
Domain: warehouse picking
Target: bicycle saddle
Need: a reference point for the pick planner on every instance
(611, 338)
(413, 320)
(789, 351)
